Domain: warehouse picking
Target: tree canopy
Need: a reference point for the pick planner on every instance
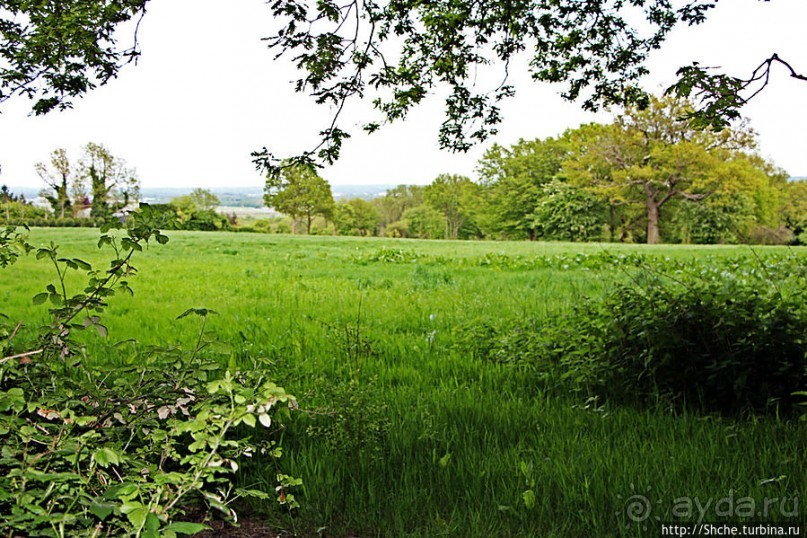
(55, 50)
(298, 191)
(396, 53)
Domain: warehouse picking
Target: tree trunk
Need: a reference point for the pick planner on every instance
(653, 209)
(308, 224)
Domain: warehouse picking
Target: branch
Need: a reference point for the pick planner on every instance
(720, 95)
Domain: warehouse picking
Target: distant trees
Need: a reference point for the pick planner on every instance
(57, 177)
(514, 179)
(99, 179)
(14, 207)
(455, 197)
(356, 217)
(298, 191)
(648, 176)
(197, 211)
(112, 184)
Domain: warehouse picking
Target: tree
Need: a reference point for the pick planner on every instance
(298, 191)
(568, 213)
(455, 197)
(398, 52)
(356, 217)
(395, 202)
(113, 185)
(57, 178)
(794, 210)
(653, 156)
(14, 206)
(514, 178)
(54, 50)
(198, 200)
(421, 222)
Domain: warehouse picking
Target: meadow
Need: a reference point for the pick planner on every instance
(406, 427)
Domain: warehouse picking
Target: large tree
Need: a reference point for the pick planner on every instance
(299, 192)
(653, 157)
(514, 178)
(113, 185)
(456, 197)
(57, 178)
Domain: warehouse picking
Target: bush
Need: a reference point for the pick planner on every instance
(726, 341)
(90, 450)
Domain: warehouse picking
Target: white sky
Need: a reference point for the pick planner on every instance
(206, 92)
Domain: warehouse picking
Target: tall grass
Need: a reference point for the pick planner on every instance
(403, 430)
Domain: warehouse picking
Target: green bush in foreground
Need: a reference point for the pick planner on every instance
(120, 451)
(726, 340)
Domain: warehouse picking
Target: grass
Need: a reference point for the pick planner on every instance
(403, 430)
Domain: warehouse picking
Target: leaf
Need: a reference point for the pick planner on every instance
(529, 499)
(184, 527)
(202, 312)
(106, 457)
(249, 420)
(265, 419)
(40, 298)
(102, 510)
(136, 512)
(82, 264)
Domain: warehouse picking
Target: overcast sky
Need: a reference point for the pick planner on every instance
(206, 92)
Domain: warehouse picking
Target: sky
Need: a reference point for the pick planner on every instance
(206, 92)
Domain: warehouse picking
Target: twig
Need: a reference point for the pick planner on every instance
(21, 356)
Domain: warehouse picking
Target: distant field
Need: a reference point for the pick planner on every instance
(409, 433)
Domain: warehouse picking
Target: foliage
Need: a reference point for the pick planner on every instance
(794, 212)
(403, 49)
(568, 213)
(113, 185)
(298, 191)
(356, 217)
(57, 178)
(56, 50)
(395, 202)
(513, 178)
(198, 200)
(421, 222)
(20, 211)
(454, 197)
(724, 339)
(93, 450)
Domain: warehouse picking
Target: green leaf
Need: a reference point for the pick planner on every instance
(81, 263)
(152, 523)
(529, 499)
(184, 527)
(102, 510)
(136, 513)
(40, 298)
(249, 420)
(201, 312)
(106, 457)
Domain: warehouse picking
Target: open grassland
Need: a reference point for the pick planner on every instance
(404, 430)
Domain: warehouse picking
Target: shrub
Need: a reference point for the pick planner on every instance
(89, 450)
(724, 341)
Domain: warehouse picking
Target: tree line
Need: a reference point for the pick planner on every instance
(649, 176)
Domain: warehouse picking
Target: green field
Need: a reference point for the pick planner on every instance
(405, 429)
